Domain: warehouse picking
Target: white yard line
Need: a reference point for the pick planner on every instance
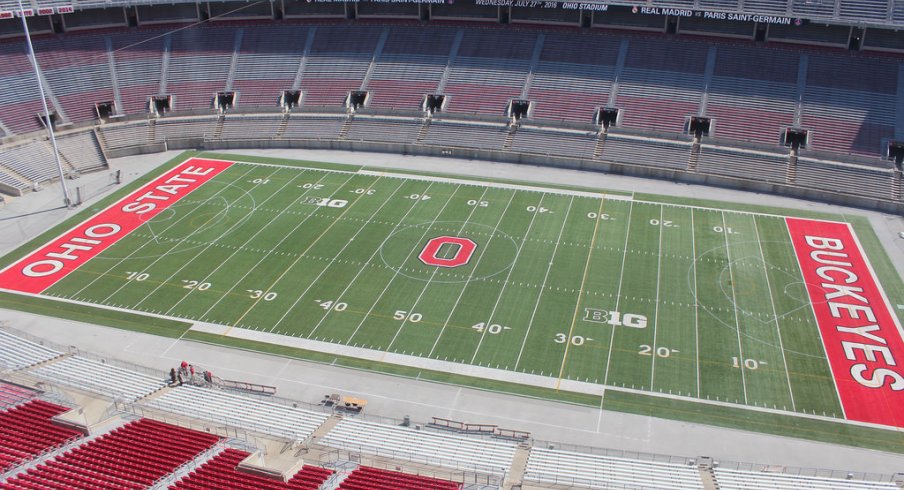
(286, 237)
(778, 327)
(468, 282)
(552, 258)
(656, 308)
(335, 257)
(240, 247)
(621, 276)
(417, 300)
(734, 302)
(185, 264)
(498, 185)
(696, 302)
(822, 342)
(141, 247)
(508, 275)
(577, 305)
(396, 274)
(361, 270)
(307, 249)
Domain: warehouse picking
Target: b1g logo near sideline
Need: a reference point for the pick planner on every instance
(463, 251)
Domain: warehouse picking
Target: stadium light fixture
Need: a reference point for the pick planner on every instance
(67, 201)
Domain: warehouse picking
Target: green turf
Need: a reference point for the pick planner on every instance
(100, 316)
(653, 295)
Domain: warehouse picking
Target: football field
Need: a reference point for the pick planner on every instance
(569, 285)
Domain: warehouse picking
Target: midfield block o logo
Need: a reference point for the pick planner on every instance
(463, 250)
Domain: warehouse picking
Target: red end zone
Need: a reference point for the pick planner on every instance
(43, 268)
(861, 334)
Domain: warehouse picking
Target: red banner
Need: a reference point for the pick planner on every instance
(43, 268)
(861, 334)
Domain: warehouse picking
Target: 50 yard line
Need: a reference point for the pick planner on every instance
(577, 306)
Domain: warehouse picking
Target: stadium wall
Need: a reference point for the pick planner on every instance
(522, 158)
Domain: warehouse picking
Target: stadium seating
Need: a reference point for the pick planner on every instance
(367, 478)
(138, 57)
(542, 141)
(383, 129)
(199, 65)
(337, 63)
(758, 480)
(751, 165)
(466, 135)
(27, 431)
(133, 456)
(751, 96)
(240, 411)
(17, 353)
(99, 377)
(450, 451)
(11, 395)
(267, 63)
(571, 468)
(411, 65)
(220, 473)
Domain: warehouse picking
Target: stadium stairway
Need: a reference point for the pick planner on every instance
(515, 476)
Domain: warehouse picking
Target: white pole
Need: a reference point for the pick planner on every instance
(67, 201)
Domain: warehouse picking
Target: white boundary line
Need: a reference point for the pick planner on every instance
(552, 259)
(734, 302)
(822, 341)
(121, 260)
(111, 206)
(498, 185)
(778, 327)
(235, 226)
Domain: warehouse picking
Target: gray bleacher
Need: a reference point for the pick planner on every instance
(728, 479)
(99, 377)
(576, 144)
(740, 164)
(240, 411)
(187, 128)
(313, 127)
(17, 353)
(383, 129)
(467, 135)
(595, 471)
(32, 160)
(82, 151)
(855, 180)
(451, 451)
(655, 153)
(250, 127)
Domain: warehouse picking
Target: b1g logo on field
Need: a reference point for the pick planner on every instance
(448, 251)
